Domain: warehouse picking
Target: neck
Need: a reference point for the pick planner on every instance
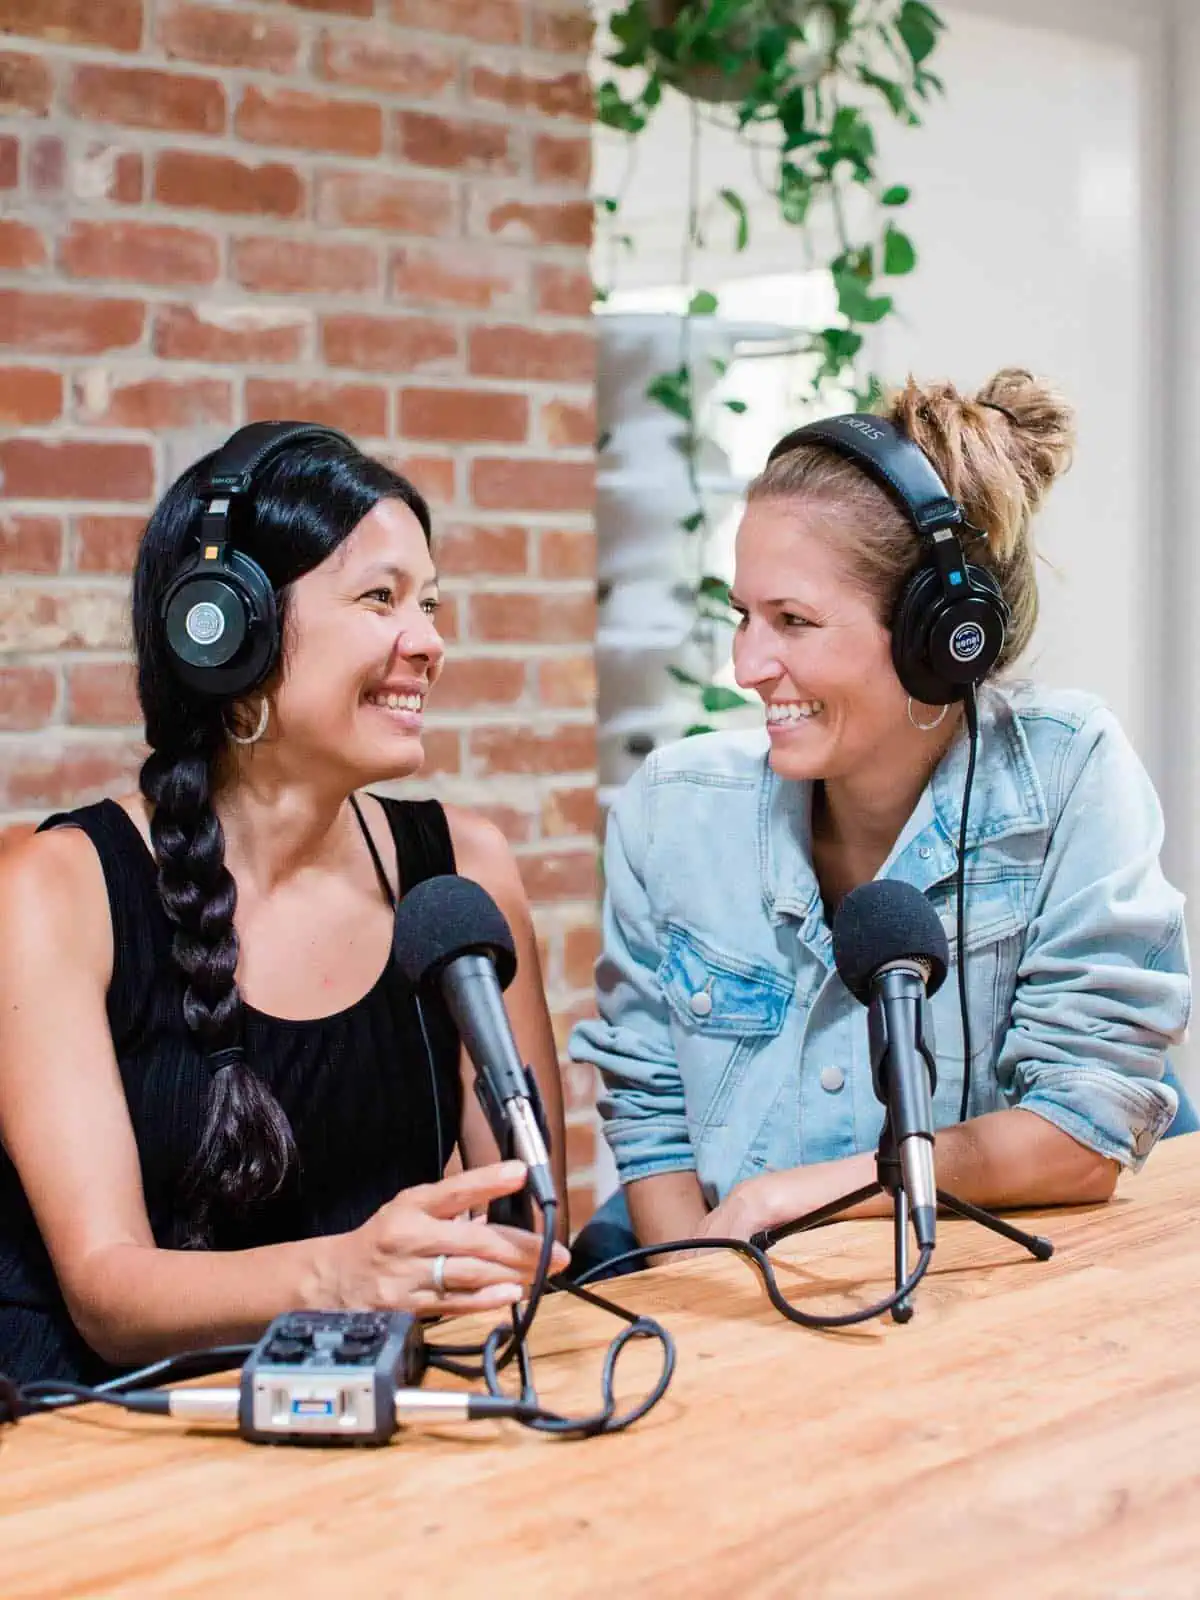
(278, 825)
(862, 814)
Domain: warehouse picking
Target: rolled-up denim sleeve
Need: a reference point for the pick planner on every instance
(641, 1103)
(1104, 987)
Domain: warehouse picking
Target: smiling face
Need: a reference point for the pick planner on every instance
(810, 643)
(361, 652)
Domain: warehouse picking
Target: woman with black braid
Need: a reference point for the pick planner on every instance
(219, 1097)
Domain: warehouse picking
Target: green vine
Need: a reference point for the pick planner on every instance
(799, 80)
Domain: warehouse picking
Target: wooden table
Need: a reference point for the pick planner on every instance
(1035, 1430)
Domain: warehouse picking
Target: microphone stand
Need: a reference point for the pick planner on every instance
(889, 1181)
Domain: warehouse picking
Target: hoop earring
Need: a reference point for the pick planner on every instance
(264, 711)
(927, 727)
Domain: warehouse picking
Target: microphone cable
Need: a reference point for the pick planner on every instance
(971, 708)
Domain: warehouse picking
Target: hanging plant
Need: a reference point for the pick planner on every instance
(802, 81)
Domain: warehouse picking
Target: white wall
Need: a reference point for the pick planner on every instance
(1056, 213)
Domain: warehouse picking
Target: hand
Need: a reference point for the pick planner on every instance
(388, 1263)
(740, 1215)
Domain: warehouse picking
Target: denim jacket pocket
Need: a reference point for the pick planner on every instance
(994, 940)
(723, 1009)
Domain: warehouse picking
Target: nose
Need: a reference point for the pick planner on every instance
(755, 662)
(419, 641)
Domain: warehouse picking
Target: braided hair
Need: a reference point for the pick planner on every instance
(308, 500)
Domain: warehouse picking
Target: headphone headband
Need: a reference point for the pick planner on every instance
(890, 457)
(244, 455)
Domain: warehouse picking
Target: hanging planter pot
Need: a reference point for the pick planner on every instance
(734, 70)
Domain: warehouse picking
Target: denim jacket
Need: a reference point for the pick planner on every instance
(727, 1043)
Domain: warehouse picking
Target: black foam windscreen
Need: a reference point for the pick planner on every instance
(883, 921)
(448, 916)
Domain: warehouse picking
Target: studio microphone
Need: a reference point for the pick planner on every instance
(449, 932)
(890, 950)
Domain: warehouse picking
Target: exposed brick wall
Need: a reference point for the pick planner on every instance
(371, 212)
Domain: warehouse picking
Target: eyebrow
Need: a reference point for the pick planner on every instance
(741, 604)
(389, 569)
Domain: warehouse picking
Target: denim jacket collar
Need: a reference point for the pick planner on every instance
(1006, 799)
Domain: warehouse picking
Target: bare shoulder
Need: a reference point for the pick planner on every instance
(54, 900)
(483, 853)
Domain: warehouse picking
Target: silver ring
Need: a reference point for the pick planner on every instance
(439, 1276)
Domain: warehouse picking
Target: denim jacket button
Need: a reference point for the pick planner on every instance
(832, 1079)
(701, 1003)
(925, 852)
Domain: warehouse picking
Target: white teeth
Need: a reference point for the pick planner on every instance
(396, 702)
(794, 710)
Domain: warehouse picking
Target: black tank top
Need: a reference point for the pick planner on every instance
(373, 1109)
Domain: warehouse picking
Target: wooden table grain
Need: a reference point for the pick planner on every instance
(1034, 1431)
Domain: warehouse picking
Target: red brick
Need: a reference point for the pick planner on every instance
(22, 247)
(379, 61)
(463, 415)
(75, 469)
(567, 30)
(112, 399)
(493, 21)
(568, 425)
(566, 222)
(30, 543)
(524, 484)
(581, 951)
(356, 408)
(68, 325)
(443, 751)
(47, 165)
(29, 395)
(434, 477)
(108, 172)
(107, 543)
(309, 121)
(10, 161)
(27, 697)
(377, 200)
(567, 94)
(566, 812)
(451, 142)
(564, 291)
(567, 682)
(221, 37)
(468, 550)
(562, 875)
(389, 344)
(63, 617)
(345, 8)
(26, 82)
(139, 252)
(580, 1146)
(454, 276)
(567, 553)
(70, 773)
(474, 681)
(220, 183)
(516, 826)
(141, 97)
(273, 265)
(103, 694)
(570, 747)
(582, 1203)
(541, 615)
(111, 24)
(220, 332)
(513, 352)
(567, 161)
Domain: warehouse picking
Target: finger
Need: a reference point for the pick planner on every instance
(467, 1191)
(466, 1274)
(490, 1298)
(507, 1247)
(559, 1260)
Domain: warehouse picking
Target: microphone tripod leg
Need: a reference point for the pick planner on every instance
(903, 1309)
(1035, 1243)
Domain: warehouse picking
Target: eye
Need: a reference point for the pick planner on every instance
(383, 594)
(789, 619)
(431, 606)
(742, 615)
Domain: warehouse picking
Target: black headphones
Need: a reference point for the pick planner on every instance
(950, 620)
(219, 610)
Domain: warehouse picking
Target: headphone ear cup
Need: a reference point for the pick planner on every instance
(916, 611)
(222, 625)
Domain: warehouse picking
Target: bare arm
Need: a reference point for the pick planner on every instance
(65, 1124)
(1003, 1160)
(483, 853)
